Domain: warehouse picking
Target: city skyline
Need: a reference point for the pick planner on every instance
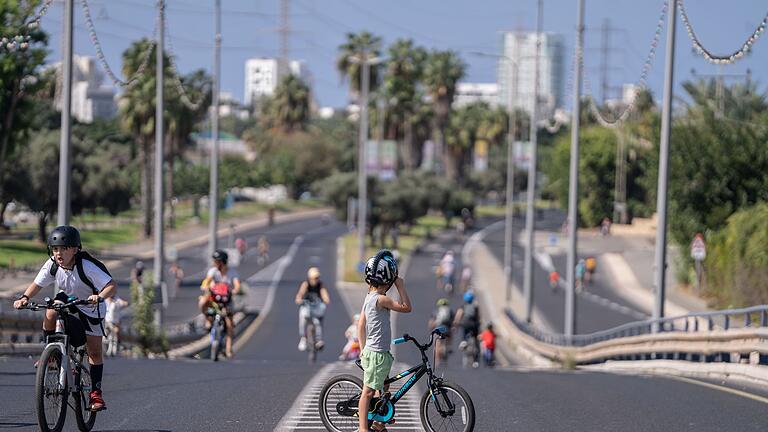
(317, 32)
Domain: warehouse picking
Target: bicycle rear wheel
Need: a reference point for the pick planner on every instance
(50, 394)
(215, 341)
(338, 403)
(85, 417)
(311, 348)
(461, 417)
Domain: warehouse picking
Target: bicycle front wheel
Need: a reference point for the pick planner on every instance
(50, 391)
(338, 403)
(85, 417)
(449, 409)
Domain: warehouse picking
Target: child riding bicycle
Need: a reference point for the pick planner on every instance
(77, 274)
(375, 330)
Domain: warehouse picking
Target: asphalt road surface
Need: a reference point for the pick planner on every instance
(253, 391)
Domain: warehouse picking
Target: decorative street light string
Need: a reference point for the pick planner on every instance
(132, 80)
(21, 41)
(738, 54)
(175, 76)
(641, 82)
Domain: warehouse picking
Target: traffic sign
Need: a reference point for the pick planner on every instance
(698, 248)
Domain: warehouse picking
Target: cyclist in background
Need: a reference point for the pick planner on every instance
(445, 270)
(581, 269)
(263, 249)
(219, 286)
(554, 280)
(591, 265)
(443, 315)
(351, 349)
(314, 292)
(488, 338)
(468, 317)
(113, 317)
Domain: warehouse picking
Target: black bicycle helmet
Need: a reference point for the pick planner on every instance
(65, 235)
(220, 255)
(381, 269)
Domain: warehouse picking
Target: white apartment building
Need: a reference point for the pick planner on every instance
(91, 99)
(467, 93)
(263, 74)
(521, 46)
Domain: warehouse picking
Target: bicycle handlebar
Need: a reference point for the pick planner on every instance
(439, 330)
(50, 304)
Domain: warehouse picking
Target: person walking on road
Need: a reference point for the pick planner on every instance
(375, 329)
(468, 317)
(581, 269)
(76, 274)
(488, 338)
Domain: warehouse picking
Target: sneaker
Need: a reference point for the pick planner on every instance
(303, 344)
(319, 345)
(97, 403)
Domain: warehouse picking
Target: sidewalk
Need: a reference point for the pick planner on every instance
(190, 235)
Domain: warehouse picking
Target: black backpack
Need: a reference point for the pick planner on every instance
(79, 257)
(471, 317)
(77, 333)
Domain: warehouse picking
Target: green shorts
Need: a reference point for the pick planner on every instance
(376, 367)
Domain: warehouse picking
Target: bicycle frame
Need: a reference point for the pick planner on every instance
(416, 373)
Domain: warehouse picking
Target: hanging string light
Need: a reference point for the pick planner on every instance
(20, 42)
(175, 76)
(133, 79)
(720, 59)
(641, 82)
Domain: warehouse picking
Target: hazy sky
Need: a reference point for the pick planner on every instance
(318, 27)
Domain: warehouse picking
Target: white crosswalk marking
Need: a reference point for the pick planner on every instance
(304, 414)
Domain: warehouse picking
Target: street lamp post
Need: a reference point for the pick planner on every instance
(573, 190)
(529, 212)
(660, 261)
(65, 159)
(159, 131)
(365, 61)
(213, 196)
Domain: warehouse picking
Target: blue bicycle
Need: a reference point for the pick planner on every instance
(444, 406)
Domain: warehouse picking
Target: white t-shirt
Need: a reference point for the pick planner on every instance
(69, 282)
(215, 275)
(114, 310)
(447, 265)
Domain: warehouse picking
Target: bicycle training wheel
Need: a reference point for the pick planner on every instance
(338, 403)
(51, 395)
(85, 417)
(462, 417)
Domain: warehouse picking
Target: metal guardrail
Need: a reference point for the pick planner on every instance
(751, 317)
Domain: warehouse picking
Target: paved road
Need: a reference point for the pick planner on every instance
(591, 315)
(256, 389)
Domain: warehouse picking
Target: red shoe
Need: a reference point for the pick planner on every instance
(97, 403)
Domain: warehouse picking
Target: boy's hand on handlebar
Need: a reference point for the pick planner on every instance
(94, 299)
(20, 303)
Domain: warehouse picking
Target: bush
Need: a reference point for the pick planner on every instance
(736, 268)
(148, 338)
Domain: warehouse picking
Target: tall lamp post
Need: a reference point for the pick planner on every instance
(365, 60)
(213, 201)
(531, 199)
(65, 159)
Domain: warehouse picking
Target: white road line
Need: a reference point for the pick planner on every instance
(304, 413)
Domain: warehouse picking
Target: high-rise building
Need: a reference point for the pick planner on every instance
(263, 74)
(521, 46)
(91, 99)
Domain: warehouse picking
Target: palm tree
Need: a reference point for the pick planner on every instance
(468, 125)
(137, 114)
(356, 44)
(181, 121)
(288, 110)
(405, 67)
(442, 72)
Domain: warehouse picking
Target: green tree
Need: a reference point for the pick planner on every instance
(442, 73)
(40, 165)
(736, 268)
(288, 110)
(350, 69)
(20, 79)
(404, 70)
(469, 124)
(182, 121)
